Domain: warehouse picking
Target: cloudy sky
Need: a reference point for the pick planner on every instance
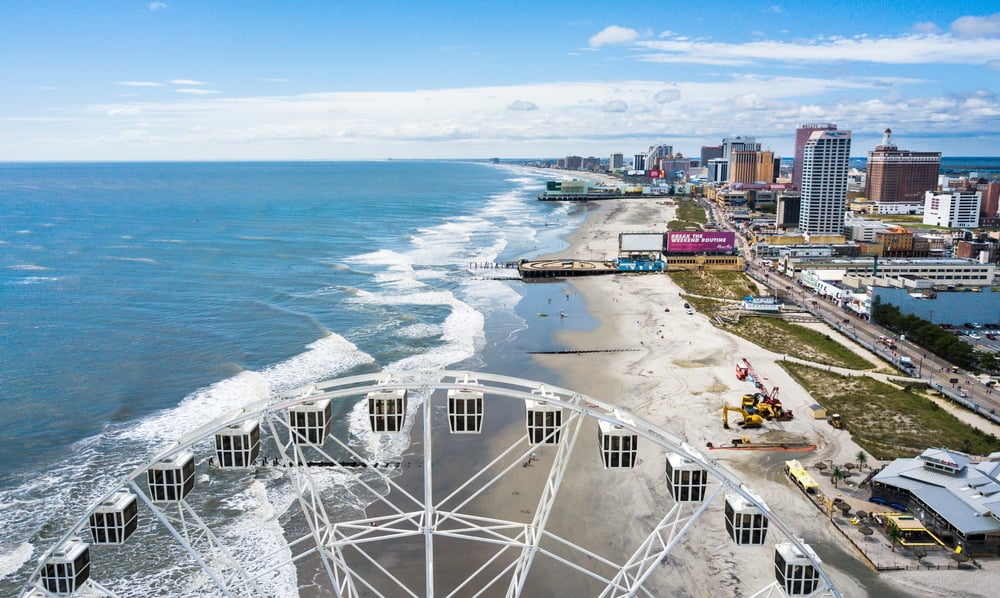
(331, 79)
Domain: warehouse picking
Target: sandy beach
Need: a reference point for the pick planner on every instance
(677, 370)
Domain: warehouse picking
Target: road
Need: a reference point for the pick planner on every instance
(938, 373)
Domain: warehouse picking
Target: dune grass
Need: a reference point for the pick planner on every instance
(889, 422)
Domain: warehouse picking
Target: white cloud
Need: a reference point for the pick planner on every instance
(481, 121)
(196, 91)
(750, 101)
(521, 105)
(154, 6)
(926, 27)
(971, 26)
(994, 64)
(906, 49)
(140, 83)
(667, 95)
(613, 34)
(122, 111)
(186, 82)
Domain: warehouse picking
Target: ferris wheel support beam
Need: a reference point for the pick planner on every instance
(556, 472)
(429, 522)
(181, 539)
(654, 549)
(315, 517)
(504, 456)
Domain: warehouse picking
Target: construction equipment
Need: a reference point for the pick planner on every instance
(835, 421)
(750, 420)
(768, 408)
(767, 396)
(758, 380)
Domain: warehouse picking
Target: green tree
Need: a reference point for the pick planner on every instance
(837, 474)
(892, 532)
(861, 459)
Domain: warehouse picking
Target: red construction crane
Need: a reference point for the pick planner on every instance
(770, 396)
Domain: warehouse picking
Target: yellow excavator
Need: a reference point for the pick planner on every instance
(750, 420)
(767, 407)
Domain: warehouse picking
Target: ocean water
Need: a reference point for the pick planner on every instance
(137, 301)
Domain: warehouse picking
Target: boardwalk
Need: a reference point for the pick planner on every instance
(563, 268)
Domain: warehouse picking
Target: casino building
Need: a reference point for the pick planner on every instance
(900, 176)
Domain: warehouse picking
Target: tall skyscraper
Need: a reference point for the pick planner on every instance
(991, 200)
(896, 175)
(802, 134)
(617, 161)
(738, 144)
(656, 152)
(825, 158)
(751, 166)
(710, 152)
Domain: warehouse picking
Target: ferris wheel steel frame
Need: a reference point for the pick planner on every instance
(328, 539)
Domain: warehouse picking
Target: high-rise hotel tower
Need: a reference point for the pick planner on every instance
(896, 175)
(802, 134)
(825, 158)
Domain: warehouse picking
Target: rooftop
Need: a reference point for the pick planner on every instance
(967, 495)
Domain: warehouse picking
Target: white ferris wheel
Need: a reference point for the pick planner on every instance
(462, 513)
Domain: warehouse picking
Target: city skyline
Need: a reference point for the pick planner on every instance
(227, 81)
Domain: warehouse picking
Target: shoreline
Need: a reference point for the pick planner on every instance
(678, 372)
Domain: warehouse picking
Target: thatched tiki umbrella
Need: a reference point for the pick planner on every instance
(920, 552)
(959, 557)
(845, 508)
(821, 466)
(865, 531)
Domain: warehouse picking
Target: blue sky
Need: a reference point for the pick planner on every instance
(258, 80)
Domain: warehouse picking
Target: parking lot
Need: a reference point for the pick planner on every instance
(985, 337)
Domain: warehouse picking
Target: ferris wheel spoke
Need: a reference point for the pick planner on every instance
(505, 456)
(182, 538)
(655, 548)
(569, 431)
(313, 509)
(380, 497)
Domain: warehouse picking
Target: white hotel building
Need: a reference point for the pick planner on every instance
(824, 182)
(953, 209)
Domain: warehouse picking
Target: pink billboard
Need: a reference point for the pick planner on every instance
(700, 242)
